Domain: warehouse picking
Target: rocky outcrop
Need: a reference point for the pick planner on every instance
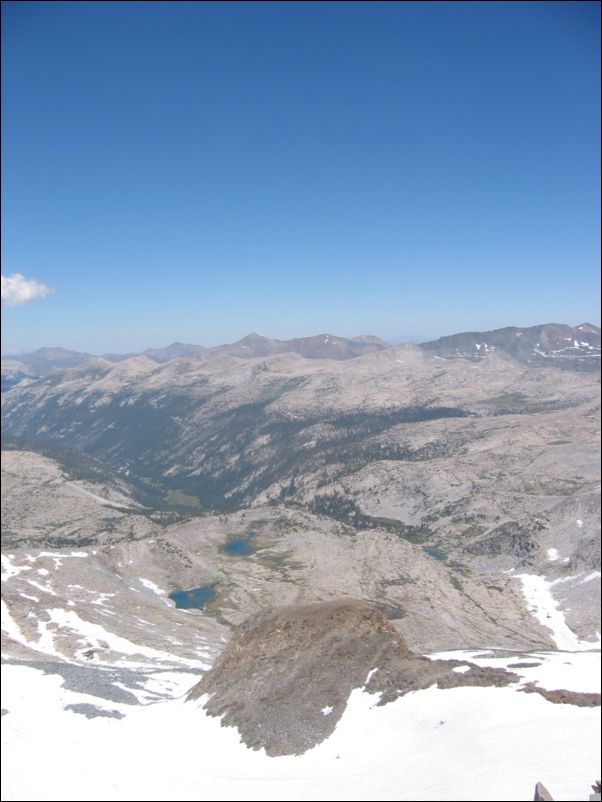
(564, 697)
(285, 678)
(586, 556)
(542, 794)
(510, 538)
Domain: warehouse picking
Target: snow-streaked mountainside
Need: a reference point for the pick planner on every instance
(391, 556)
(567, 347)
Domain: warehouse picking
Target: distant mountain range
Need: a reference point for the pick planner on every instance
(45, 361)
(551, 344)
(414, 477)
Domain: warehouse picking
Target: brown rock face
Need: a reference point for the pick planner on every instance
(564, 697)
(285, 678)
(542, 794)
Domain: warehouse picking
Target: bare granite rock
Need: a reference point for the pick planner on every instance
(542, 794)
(285, 678)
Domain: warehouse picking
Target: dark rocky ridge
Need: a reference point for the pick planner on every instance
(563, 697)
(283, 669)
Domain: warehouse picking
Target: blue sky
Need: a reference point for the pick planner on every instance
(184, 171)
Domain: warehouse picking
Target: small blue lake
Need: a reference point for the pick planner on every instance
(193, 598)
(241, 546)
(436, 553)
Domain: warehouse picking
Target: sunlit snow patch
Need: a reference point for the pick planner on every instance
(486, 743)
(537, 592)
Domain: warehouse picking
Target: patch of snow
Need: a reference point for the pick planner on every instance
(552, 554)
(151, 586)
(10, 626)
(461, 669)
(561, 580)
(573, 671)
(41, 587)
(101, 598)
(370, 675)
(100, 638)
(143, 695)
(10, 569)
(326, 711)
(537, 592)
(590, 577)
(45, 642)
(156, 589)
(579, 523)
(57, 558)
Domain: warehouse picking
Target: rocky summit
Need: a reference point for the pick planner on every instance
(285, 678)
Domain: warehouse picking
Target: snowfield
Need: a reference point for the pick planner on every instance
(458, 744)
(112, 723)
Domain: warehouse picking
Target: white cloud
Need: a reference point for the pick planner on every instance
(17, 289)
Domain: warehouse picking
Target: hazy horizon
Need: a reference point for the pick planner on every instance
(398, 340)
